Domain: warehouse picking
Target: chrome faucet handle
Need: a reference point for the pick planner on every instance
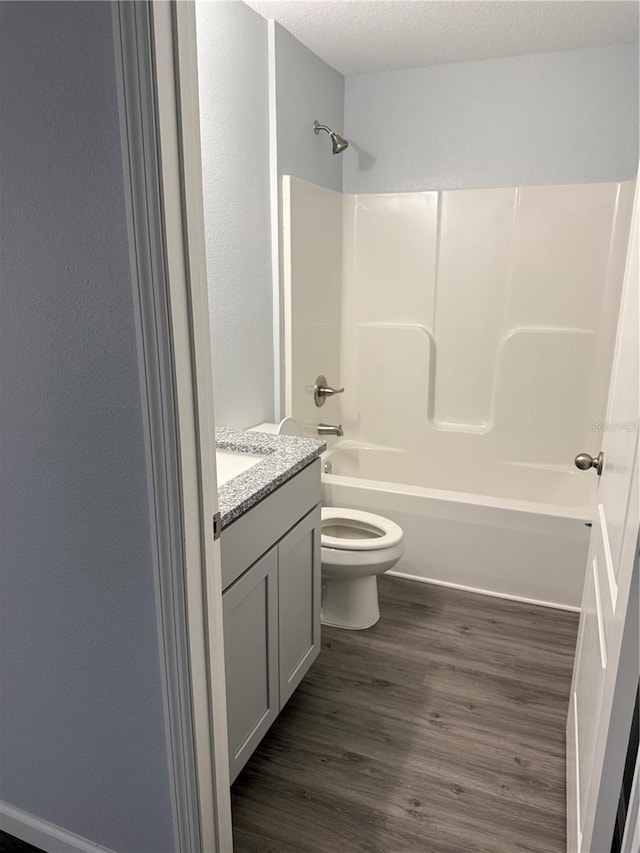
(321, 391)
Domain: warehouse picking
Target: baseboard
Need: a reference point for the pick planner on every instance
(535, 601)
(40, 833)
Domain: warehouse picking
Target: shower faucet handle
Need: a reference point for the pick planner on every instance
(321, 391)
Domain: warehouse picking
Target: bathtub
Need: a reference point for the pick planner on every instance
(511, 530)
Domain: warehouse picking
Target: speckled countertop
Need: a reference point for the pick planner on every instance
(285, 456)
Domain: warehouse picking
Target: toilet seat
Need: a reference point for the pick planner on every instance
(370, 532)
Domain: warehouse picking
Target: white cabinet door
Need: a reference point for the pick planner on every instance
(250, 617)
(299, 601)
(606, 667)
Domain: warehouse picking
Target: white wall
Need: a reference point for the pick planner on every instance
(234, 117)
(556, 118)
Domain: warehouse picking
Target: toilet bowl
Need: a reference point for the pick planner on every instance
(356, 547)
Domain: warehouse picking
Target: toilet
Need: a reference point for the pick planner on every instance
(356, 547)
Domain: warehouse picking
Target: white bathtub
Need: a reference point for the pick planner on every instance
(512, 530)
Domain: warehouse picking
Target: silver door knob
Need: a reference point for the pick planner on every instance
(321, 390)
(584, 461)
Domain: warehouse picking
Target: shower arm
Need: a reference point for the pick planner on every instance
(338, 143)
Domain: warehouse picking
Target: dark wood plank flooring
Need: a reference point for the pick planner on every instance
(440, 730)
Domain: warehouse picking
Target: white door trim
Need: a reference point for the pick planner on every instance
(161, 139)
(178, 122)
(134, 58)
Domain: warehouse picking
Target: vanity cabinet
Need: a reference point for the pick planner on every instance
(271, 608)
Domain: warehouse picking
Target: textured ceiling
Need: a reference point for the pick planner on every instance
(359, 36)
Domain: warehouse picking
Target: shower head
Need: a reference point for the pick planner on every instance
(337, 142)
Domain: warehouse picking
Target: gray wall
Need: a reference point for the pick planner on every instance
(234, 116)
(233, 72)
(81, 709)
(566, 117)
(307, 89)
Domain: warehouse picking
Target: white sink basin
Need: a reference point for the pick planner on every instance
(230, 463)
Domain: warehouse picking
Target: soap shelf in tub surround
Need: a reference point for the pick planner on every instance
(284, 456)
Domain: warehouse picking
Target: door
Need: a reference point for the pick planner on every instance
(606, 667)
(250, 619)
(299, 601)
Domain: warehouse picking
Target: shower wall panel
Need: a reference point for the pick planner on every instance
(312, 274)
(485, 313)
(467, 321)
(474, 242)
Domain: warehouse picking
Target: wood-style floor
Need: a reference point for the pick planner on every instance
(439, 730)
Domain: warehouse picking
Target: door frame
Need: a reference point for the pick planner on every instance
(159, 113)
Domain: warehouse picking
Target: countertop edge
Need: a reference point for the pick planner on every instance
(285, 456)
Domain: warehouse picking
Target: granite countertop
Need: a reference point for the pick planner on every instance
(286, 455)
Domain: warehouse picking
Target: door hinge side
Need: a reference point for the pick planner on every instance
(217, 526)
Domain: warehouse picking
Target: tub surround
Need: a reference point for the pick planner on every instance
(284, 456)
(473, 331)
(463, 322)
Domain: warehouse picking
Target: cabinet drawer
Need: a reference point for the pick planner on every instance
(246, 539)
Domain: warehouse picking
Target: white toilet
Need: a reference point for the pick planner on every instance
(357, 546)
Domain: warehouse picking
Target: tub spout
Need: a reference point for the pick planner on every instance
(330, 429)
